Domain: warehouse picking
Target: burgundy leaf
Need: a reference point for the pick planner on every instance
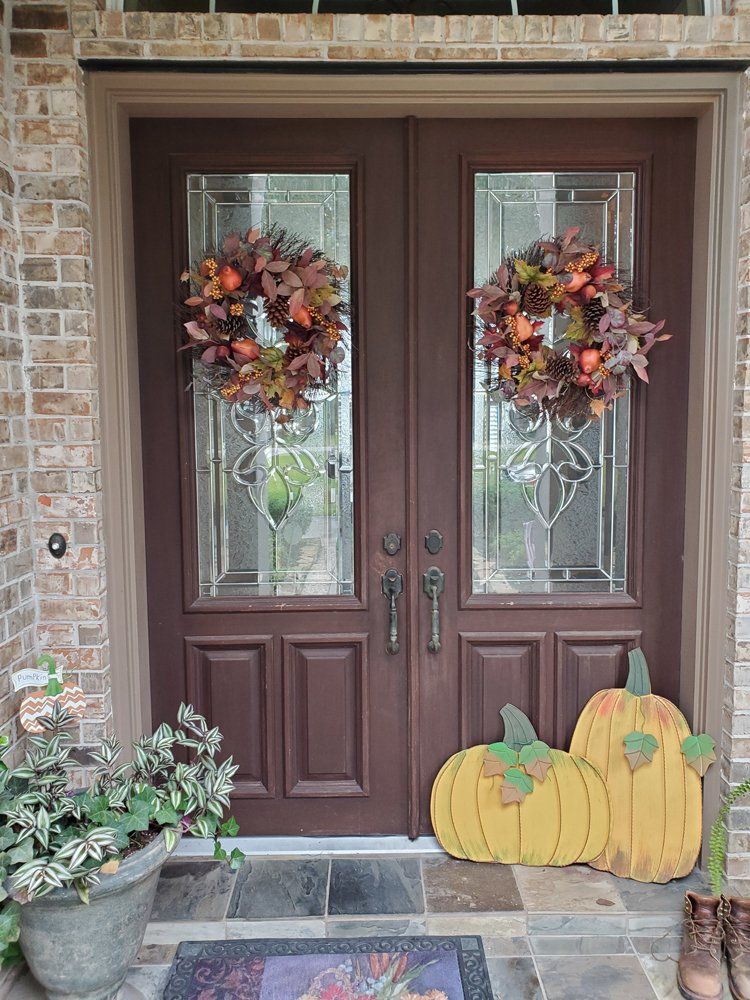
(299, 362)
(269, 286)
(296, 301)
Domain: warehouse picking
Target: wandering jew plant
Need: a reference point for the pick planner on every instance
(53, 835)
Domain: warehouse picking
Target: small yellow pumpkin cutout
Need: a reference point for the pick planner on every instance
(38, 705)
(519, 802)
(652, 765)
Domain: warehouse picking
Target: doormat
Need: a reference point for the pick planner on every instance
(393, 968)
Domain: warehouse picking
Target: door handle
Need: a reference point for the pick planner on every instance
(392, 584)
(433, 584)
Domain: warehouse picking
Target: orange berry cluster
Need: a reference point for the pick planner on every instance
(583, 263)
(230, 389)
(236, 309)
(331, 330)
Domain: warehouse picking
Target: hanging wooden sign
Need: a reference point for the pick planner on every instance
(39, 704)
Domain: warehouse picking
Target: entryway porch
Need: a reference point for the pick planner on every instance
(548, 934)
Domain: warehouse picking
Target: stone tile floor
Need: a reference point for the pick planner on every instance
(560, 934)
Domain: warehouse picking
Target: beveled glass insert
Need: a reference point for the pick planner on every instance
(275, 502)
(549, 500)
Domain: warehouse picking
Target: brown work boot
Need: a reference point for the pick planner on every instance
(737, 944)
(699, 965)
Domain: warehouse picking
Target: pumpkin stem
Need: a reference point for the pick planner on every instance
(53, 684)
(519, 731)
(639, 680)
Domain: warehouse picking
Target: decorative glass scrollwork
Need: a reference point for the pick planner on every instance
(548, 464)
(275, 468)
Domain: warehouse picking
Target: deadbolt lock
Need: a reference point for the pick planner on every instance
(433, 542)
(392, 543)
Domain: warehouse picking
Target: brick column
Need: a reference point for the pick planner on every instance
(57, 323)
(17, 605)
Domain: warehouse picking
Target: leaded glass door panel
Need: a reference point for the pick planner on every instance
(264, 540)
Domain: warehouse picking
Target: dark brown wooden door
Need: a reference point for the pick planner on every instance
(279, 633)
(543, 616)
(288, 661)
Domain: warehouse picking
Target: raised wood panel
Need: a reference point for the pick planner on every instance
(230, 681)
(326, 718)
(587, 662)
(497, 668)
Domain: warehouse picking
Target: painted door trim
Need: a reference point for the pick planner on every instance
(714, 99)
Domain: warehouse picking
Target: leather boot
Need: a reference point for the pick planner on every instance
(737, 945)
(699, 965)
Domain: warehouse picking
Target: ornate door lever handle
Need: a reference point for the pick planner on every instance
(433, 584)
(392, 584)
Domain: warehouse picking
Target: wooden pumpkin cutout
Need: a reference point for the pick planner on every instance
(519, 802)
(653, 766)
(38, 705)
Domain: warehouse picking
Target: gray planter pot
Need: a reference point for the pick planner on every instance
(79, 952)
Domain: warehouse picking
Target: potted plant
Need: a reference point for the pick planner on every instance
(79, 867)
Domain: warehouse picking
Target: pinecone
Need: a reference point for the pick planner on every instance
(561, 367)
(536, 300)
(592, 313)
(277, 312)
(294, 347)
(233, 327)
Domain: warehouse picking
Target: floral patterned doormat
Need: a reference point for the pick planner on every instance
(397, 968)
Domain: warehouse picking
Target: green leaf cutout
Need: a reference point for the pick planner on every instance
(699, 752)
(516, 785)
(535, 759)
(498, 759)
(639, 748)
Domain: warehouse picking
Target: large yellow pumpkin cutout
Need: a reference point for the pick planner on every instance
(653, 766)
(519, 802)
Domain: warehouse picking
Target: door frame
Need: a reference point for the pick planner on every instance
(712, 98)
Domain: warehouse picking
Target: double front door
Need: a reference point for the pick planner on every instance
(551, 550)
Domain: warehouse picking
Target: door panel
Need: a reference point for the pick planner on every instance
(587, 562)
(233, 680)
(497, 667)
(326, 698)
(264, 543)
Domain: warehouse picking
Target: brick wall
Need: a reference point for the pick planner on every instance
(17, 611)
(400, 37)
(48, 376)
(63, 489)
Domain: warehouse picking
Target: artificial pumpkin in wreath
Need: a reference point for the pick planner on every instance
(520, 802)
(39, 704)
(653, 767)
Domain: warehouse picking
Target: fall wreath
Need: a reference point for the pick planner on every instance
(607, 339)
(297, 289)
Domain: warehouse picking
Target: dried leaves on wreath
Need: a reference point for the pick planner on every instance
(299, 292)
(607, 338)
